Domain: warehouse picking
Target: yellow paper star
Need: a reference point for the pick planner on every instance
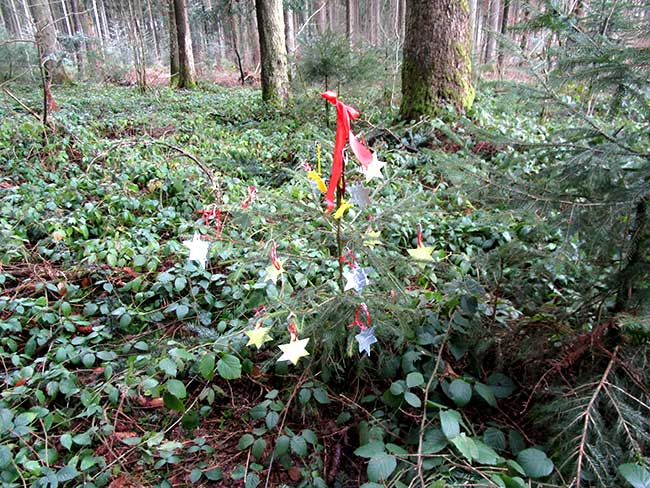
(258, 336)
(374, 169)
(272, 273)
(341, 210)
(371, 238)
(421, 253)
(294, 350)
(312, 175)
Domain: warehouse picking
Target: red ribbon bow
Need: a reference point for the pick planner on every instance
(357, 322)
(344, 113)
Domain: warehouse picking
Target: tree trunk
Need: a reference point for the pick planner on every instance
(275, 78)
(10, 19)
(437, 62)
(186, 71)
(174, 61)
(154, 29)
(321, 16)
(46, 43)
(504, 30)
(349, 24)
(493, 29)
(80, 43)
(289, 31)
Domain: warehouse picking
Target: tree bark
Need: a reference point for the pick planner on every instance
(46, 42)
(186, 71)
(174, 61)
(493, 29)
(275, 78)
(10, 20)
(437, 63)
(289, 31)
(80, 43)
(349, 24)
(504, 30)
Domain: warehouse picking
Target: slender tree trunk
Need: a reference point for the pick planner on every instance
(375, 20)
(331, 15)
(253, 40)
(349, 26)
(275, 78)
(436, 68)
(80, 43)
(9, 18)
(504, 30)
(154, 31)
(66, 17)
(321, 16)
(289, 31)
(174, 61)
(104, 18)
(493, 29)
(186, 72)
(98, 24)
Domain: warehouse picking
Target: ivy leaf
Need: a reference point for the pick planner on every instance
(229, 367)
(6, 456)
(245, 441)
(449, 423)
(414, 379)
(412, 399)
(371, 449)
(176, 388)
(67, 473)
(535, 463)
(182, 311)
(168, 366)
(206, 366)
(299, 445)
(195, 475)
(381, 467)
(501, 385)
(636, 475)
(282, 445)
(466, 446)
(271, 419)
(460, 392)
(258, 448)
(172, 402)
(486, 393)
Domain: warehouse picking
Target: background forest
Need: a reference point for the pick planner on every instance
(468, 306)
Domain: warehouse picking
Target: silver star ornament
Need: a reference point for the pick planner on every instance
(356, 279)
(359, 195)
(366, 338)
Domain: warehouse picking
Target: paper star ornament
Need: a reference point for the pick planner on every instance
(294, 350)
(422, 254)
(258, 336)
(366, 338)
(320, 184)
(374, 169)
(371, 238)
(356, 279)
(198, 249)
(272, 273)
(360, 195)
(341, 210)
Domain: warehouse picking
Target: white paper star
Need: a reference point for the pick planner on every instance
(294, 350)
(198, 249)
(356, 279)
(374, 169)
(272, 273)
(366, 338)
(359, 195)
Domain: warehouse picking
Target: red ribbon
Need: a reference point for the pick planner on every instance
(357, 322)
(212, 213)
(252, 192)
(274, 257)
(420, 236)
(351, 261)
(343, 115)
(293, 331)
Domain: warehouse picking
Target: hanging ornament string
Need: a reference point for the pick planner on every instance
(260, 313)
(252, 193)
(293, 330)
(420, 242)
(274, 257)
(318, 165)
(349, 258)
(357, 318)
(212, 213)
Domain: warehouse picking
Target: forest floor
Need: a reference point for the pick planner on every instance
(126, 365)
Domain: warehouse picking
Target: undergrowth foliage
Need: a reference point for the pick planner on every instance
(123, 360)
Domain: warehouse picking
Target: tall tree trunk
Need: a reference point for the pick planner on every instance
(289, 31)
(374, 21)
(331, 15)
(10, 20)
(321, 16)
(80, 43)
(104, 18)
(186, 72)
(504, 30)
(66, 17)
(98, 24)
(275, 78)
(46, 42)
(493, 29)
(437, 65)
(154, 31)
(349, 24)
(174, 61)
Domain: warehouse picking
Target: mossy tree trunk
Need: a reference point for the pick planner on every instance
(273, 51)
(173, 46)
(186, 70)
(437, 65)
